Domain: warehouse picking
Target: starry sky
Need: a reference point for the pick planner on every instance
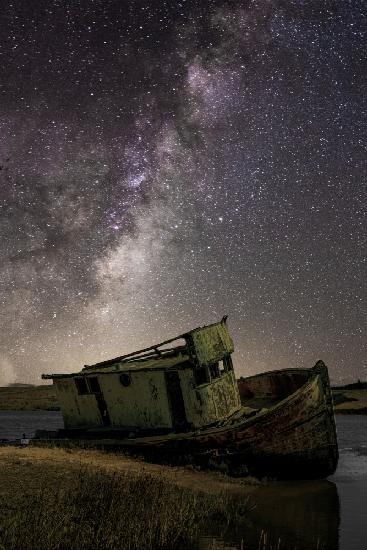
(166, 163)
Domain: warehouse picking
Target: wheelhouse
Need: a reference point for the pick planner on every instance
(182, 384)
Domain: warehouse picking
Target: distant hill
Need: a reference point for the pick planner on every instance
(348, 399)
(354, 386)
(26, 397)
(20, 385)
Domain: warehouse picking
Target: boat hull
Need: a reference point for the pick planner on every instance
(295, 438)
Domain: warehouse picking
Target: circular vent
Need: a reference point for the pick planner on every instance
(125, 380)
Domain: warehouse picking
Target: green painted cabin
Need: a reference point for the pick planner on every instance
(182, 384)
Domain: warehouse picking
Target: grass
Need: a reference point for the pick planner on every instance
(66, 505)
(83, 499)
(103, 511)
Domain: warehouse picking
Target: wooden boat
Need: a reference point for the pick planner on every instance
(280, 423)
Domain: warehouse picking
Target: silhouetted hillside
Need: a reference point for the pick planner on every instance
(25, 397)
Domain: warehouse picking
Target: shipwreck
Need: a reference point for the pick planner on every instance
(180, 402)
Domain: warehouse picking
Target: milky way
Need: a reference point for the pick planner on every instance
(164, 164)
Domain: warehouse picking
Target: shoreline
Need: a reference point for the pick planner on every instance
(43, 398)
(357, 412)
(350, 401)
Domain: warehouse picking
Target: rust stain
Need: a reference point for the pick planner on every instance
(184, 403)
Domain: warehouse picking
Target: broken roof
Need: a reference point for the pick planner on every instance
(203, 345)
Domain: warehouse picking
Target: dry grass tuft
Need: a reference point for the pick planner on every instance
(99, 510)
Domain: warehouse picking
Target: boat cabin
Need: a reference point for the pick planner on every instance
(182, 384)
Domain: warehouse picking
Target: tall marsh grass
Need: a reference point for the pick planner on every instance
(101, 511)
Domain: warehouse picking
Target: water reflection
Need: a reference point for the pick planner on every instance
(302, 515)
(307, 515)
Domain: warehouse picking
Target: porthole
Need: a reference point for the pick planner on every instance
(125, 379)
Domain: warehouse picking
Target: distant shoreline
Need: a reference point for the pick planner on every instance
(43, 398)
(28, 398)
(350, 401)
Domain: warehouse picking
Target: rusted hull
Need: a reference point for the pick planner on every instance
(295, 438)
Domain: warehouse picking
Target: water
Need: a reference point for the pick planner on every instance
(13, 424)
(351, 481)
(325, 515)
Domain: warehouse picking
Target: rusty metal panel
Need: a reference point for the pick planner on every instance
(211, 343)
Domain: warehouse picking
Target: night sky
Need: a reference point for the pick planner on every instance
(166, 163)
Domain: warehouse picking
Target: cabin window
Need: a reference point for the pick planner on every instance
(214, 370)
(228, 365)
(125, 379)
(222, 368)
(201, 376)
(81, 386)
(94, 385)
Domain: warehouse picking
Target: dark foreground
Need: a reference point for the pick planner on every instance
(326, 514)
(53, 499)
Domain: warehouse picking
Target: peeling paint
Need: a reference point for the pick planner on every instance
(135, 394)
